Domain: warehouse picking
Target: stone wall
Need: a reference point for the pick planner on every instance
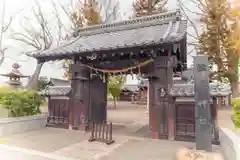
(230, 144)
(13, 125)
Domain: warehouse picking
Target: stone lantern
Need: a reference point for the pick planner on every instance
(14, 77)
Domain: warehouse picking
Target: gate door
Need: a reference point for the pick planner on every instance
(58, 113)
(185, 121)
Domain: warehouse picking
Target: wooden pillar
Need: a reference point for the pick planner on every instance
(150, 102)
(229, 100)
(148, 95)
(70, 111)
(170, 109)
(161, 114)
(98, 105)
(71, 98)
(80, 96)
(214, 119)
(171, 119)
(49, 109)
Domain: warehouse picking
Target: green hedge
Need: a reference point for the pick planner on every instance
(21, 103)
(236, 112)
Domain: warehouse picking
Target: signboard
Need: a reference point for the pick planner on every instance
(202, 104)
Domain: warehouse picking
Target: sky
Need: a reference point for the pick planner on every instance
(50, 69)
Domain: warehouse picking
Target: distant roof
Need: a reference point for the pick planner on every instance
(144, 31)
(143, 83)
(187, 74)
(56, 91)
(187, 90)
(130, 87)
(59, 82)
(178, 90)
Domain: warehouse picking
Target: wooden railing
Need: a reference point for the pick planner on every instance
(101, 132)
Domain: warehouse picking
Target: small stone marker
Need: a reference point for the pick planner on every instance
(202, 104)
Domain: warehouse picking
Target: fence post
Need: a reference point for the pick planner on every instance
(92, 133)
(102, 132)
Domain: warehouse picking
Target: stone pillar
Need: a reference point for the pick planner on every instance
(202, 104)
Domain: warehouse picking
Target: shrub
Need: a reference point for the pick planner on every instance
(21, 103)
(236, 112)
(4, 89)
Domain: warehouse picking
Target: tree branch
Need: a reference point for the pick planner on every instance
(6, 27)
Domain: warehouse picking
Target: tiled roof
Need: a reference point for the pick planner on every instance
(59, 82)
(178, 90)
(186, 90)
(143, 83)
(129, 87)
(187, 74)
(56, 91)
(143, 31)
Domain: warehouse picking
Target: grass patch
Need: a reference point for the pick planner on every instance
(236, 112)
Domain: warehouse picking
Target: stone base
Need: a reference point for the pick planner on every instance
(13, 125)
(230, 144)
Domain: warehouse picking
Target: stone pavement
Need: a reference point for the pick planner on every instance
(91, 151)
(52, 143)
(148, 149)
(46, 140)
(13, 153)
(126, 148)
(130, 136)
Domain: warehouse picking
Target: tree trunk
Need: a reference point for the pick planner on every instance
(33, 82)
(114, 103)
(235, 89)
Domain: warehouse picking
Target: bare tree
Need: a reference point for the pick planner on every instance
(87, 14)
(3, 29)
(38, 35)
(109, 11)
(194, 31)
(149, 7)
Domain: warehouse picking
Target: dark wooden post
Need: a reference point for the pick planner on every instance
(70, 109)
(98, 104)
(49, 110)
(214, 119)
(80, 95)
(202, 104)
(170, 109)
(150, 101)
(160, 108)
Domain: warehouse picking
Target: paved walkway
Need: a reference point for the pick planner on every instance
(13, 153)
(131, 142)
(59, 144)
(46, 140)
(224, 118)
